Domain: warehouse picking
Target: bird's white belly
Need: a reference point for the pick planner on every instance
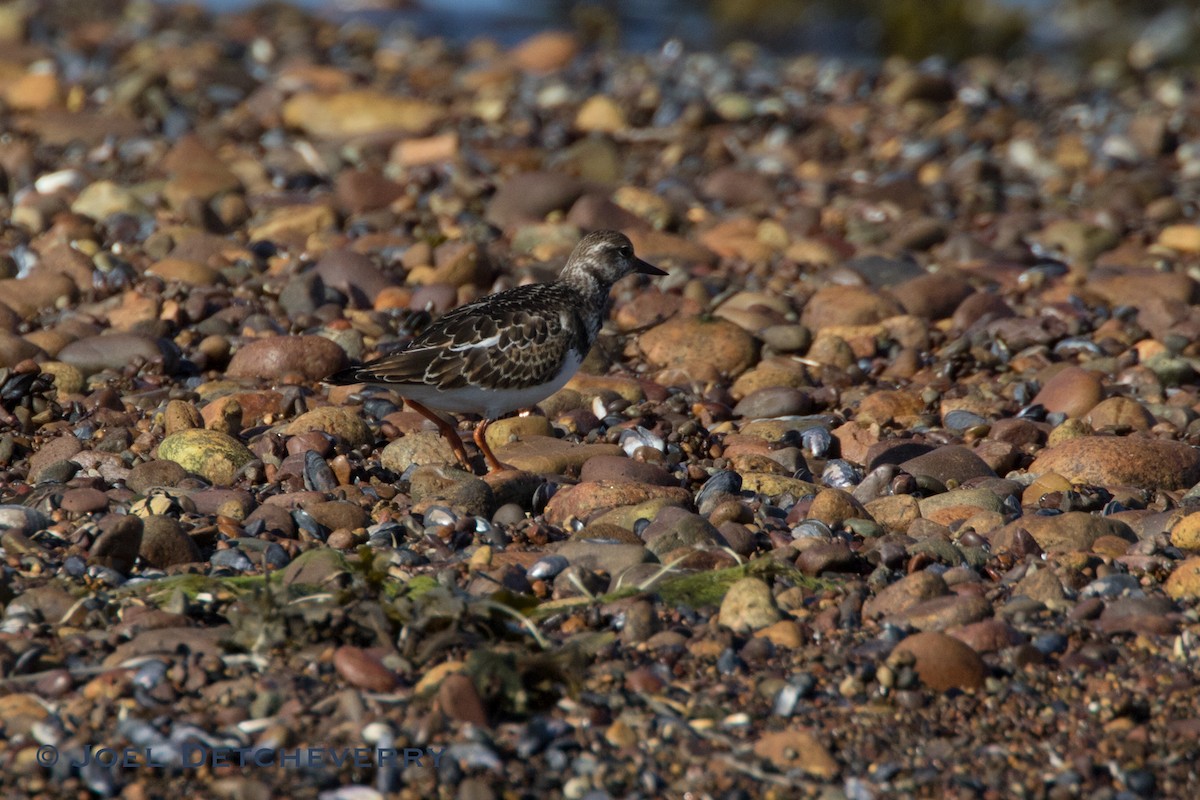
(490, 403)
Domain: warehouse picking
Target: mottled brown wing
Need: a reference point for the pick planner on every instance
(515, 338)
(528, 349)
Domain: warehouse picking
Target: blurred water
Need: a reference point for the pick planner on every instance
(644, 24)
(1057, 29)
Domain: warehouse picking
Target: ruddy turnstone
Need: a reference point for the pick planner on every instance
(509, 350)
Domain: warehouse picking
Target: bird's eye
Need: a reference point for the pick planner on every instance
(625, 251)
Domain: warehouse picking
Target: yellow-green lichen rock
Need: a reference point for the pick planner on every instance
(343, 423)
(212, 455)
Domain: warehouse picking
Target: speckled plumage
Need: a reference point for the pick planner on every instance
(512, 349)
(509, 340)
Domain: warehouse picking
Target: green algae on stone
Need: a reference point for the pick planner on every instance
(701, 589)
(216, 457)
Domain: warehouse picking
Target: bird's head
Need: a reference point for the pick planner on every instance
(605, 257)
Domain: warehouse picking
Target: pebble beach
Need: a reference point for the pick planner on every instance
(889, 489)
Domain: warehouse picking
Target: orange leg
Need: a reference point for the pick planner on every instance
(448, 433)
(493, 462)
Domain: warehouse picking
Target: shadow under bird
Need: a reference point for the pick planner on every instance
(509, 350)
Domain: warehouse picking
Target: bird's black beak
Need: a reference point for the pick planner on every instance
(643, 268)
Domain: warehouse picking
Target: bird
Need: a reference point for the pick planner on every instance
(510, 350)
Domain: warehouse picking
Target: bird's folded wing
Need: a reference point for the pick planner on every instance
(515, 348)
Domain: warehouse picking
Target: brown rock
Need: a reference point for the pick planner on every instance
(513, 429)
(545, 52)
(293, 224)
(782, 374)
(116, 351)
(988, 635)
(8, 319)
(157, 472)
(313, 357)
(417, 447)
(354, 275)
(360, 190)
(342, 423)
(607, 554)
(1144, 616)
(959, 504)
(822, 557)
(978, 310)
(1074, 391)
(362, 112)
(196, 173)
(785, 633)
(199, 642)
(618, 469)
(456, 264)
(362, 669)
(951, 462)
(165, 544)
(186, 272)
(1072, 531)
(890, 405)
(933, 296)
(895, 512)
(1122, 460)
(15, 349)
(547, 454)
(118, 544)
(942, 662)
(530, 196)
(587, 500)
(593, 212)
(905, 593)
(334, 514)
(773, 401)
(1120, 414)
(434, 485)
(83, 500)
(1138, 287)
(797, 749)
(697, 344)
(425, 150)
(940, 613)
(662, 248)
(459, 700)
(58, 449)
(737, 188)
(650, 307)
(847, 305)
(1044, 586)
(1015, 431)
(181, 415)
(835, 506)
(674, 528)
